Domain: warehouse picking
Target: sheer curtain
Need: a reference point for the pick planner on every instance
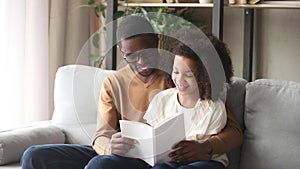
(70, 26)
(24, 94)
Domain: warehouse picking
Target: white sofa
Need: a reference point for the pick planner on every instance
(268, 111)
(74, 118)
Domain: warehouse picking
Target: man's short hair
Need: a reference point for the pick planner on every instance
(132, 26)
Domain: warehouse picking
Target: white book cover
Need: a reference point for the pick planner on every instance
(154, 142)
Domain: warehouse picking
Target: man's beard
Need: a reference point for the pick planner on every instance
(145, 72)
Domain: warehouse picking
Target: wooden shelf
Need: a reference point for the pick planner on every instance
(287, 5)
(267, 6)
(271, 5)
(112, 7)
(196, 5)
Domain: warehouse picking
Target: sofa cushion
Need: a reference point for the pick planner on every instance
(272, 123)
(235, 101)
(16, 165)
(236, 98)
(14, 142)
(76, 93)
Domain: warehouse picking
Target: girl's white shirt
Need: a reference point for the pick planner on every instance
(206, 118)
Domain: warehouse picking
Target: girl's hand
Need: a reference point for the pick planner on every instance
(190, 151)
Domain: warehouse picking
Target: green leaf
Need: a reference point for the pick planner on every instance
(119, 14)
(96, 39)
(91, 2)
(93, 58)
(96, 59)
(103, 14)
(144, 12)
(96, 9)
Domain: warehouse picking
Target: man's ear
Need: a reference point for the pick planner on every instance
(119, 46)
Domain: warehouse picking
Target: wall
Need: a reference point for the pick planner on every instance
(276, 42)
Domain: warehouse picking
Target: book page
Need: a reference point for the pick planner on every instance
(166, 134)
(143, 133)
(154, 143)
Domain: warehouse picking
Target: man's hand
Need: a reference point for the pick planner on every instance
(190, 151)
(120, 145)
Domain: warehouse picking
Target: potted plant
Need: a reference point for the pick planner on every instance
(164, 20)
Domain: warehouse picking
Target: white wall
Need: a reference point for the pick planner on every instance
(277, 41)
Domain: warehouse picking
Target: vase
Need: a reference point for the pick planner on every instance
(205, 1)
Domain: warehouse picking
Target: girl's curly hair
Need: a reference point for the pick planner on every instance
(190, 39)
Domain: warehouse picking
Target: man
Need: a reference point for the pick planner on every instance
(126, 95)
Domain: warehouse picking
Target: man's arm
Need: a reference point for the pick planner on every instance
(107, 119)
(229, 138)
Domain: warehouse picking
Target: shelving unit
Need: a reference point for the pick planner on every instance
(249, 30)
(217, 25)
(112, 6)
(267, 6)
(194, 5)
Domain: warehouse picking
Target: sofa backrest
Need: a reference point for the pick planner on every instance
(272, 123)
(236, 101)
(76, 95)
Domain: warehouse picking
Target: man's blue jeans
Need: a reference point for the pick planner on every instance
(116, 162)
(73, 156)
(57, 156)
(193, 165)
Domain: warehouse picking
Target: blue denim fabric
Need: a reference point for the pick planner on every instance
(73, 156)
(193, 165)
(116, 162)
(57, 156)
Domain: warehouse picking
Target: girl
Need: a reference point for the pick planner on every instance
(204, 113)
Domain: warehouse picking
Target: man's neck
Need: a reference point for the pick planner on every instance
(146, 79)
(143, 78)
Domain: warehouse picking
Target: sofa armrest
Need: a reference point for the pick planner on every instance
(14, 142)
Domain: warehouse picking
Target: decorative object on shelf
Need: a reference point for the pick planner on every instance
(252, 2)
(170, 1)
(229, 2)
(241, 1)
(237, 2)
(187, 1)
(144, 1)
(205, 1)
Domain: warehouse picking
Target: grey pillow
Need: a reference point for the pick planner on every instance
(14, 142)
(272, 123)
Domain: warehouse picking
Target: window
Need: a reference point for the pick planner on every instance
(23, 62)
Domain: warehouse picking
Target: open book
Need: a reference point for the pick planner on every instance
(154, 142)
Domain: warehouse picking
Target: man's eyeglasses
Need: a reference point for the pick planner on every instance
(134, 57)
